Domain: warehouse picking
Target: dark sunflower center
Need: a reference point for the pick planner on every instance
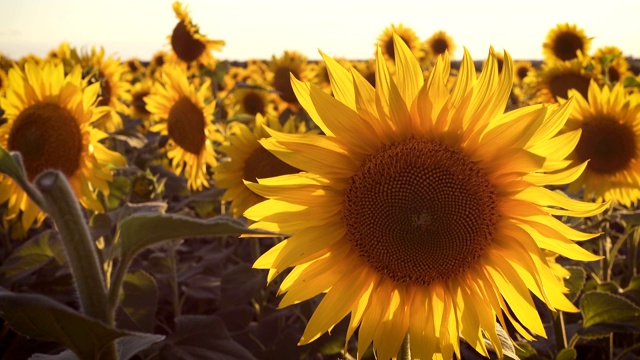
(139, 104)
(559, 85)
(186, 126)
(439, 46)
(48, 137)
(614, 75)
(263, 164)
(522, 72)
(105, 91)
(282, 83)
(253, 103)
(609, 144)
(419, 212)
(185, 45)
(566, 45)
(388, 47)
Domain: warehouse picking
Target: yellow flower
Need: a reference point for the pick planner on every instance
(422, 210)
(4, 82)
(407, 34)
(610, 122)
(185, 114)
(555, 78)
(115, 91)
(618, 67)
(439, 43)
(49, 121)
(290, 62)
(247, 160)
(187, 42)
(564, 41)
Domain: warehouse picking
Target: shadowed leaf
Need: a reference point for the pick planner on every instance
(575, 282)
(240, 284)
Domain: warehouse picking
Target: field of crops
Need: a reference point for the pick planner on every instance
(405, 206)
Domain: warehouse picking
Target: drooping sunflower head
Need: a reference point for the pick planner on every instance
(247, 160)
(564, 41)
(439, 43)
(282, 67)
(407, 34)
(184, 113)
(187, 42)
(49, 121)
(555, 78)
(609, 119)
(422, 210)
(611, 66)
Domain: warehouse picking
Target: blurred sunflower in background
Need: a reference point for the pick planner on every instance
(423, 210)
(609, 119)
(247, 160)
(407, 34)
(49, 121)
(115, 90)
(281, 67)
(4, 82)
(187, 42)
(555, 78)
(184, 113)
(564, 41)
(437, 44)
(138, 107)
(611, 65)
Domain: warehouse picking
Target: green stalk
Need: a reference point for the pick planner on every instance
(62, 205)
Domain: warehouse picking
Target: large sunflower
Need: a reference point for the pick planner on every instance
(610, 122)
(49, 119)
(185, 114)
(422, 210)
(247, 160)
(187, 42)
(564, 41)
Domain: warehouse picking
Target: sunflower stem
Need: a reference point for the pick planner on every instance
(61, 204)
(405, 349)
(559, 330)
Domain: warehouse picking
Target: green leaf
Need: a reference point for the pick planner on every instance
(140, 301)
(631, 81)
(240, 284)
(202, 337)
(575, 282)
(11, 165)
(567, 354)
(602, 308)
(29, 257)
(43, 318)
(131, 344)
(524, 350)
(141, 230)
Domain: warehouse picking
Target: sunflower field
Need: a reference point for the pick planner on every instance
(406, 206)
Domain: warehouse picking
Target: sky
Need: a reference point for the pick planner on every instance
(260, 29)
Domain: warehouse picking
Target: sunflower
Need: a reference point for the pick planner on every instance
(49, 121)
(611, 66)
(138, 106)
(610, 122)
(422, 210)
(187, 42)
(281, 67)
(251, 100)
(555, 78)
(407, 34)
(564, 41)
(115, 90)
(184, 113)
(247, 160)
(439, 43)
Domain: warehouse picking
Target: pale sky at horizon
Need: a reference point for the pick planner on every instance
(255, 29)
